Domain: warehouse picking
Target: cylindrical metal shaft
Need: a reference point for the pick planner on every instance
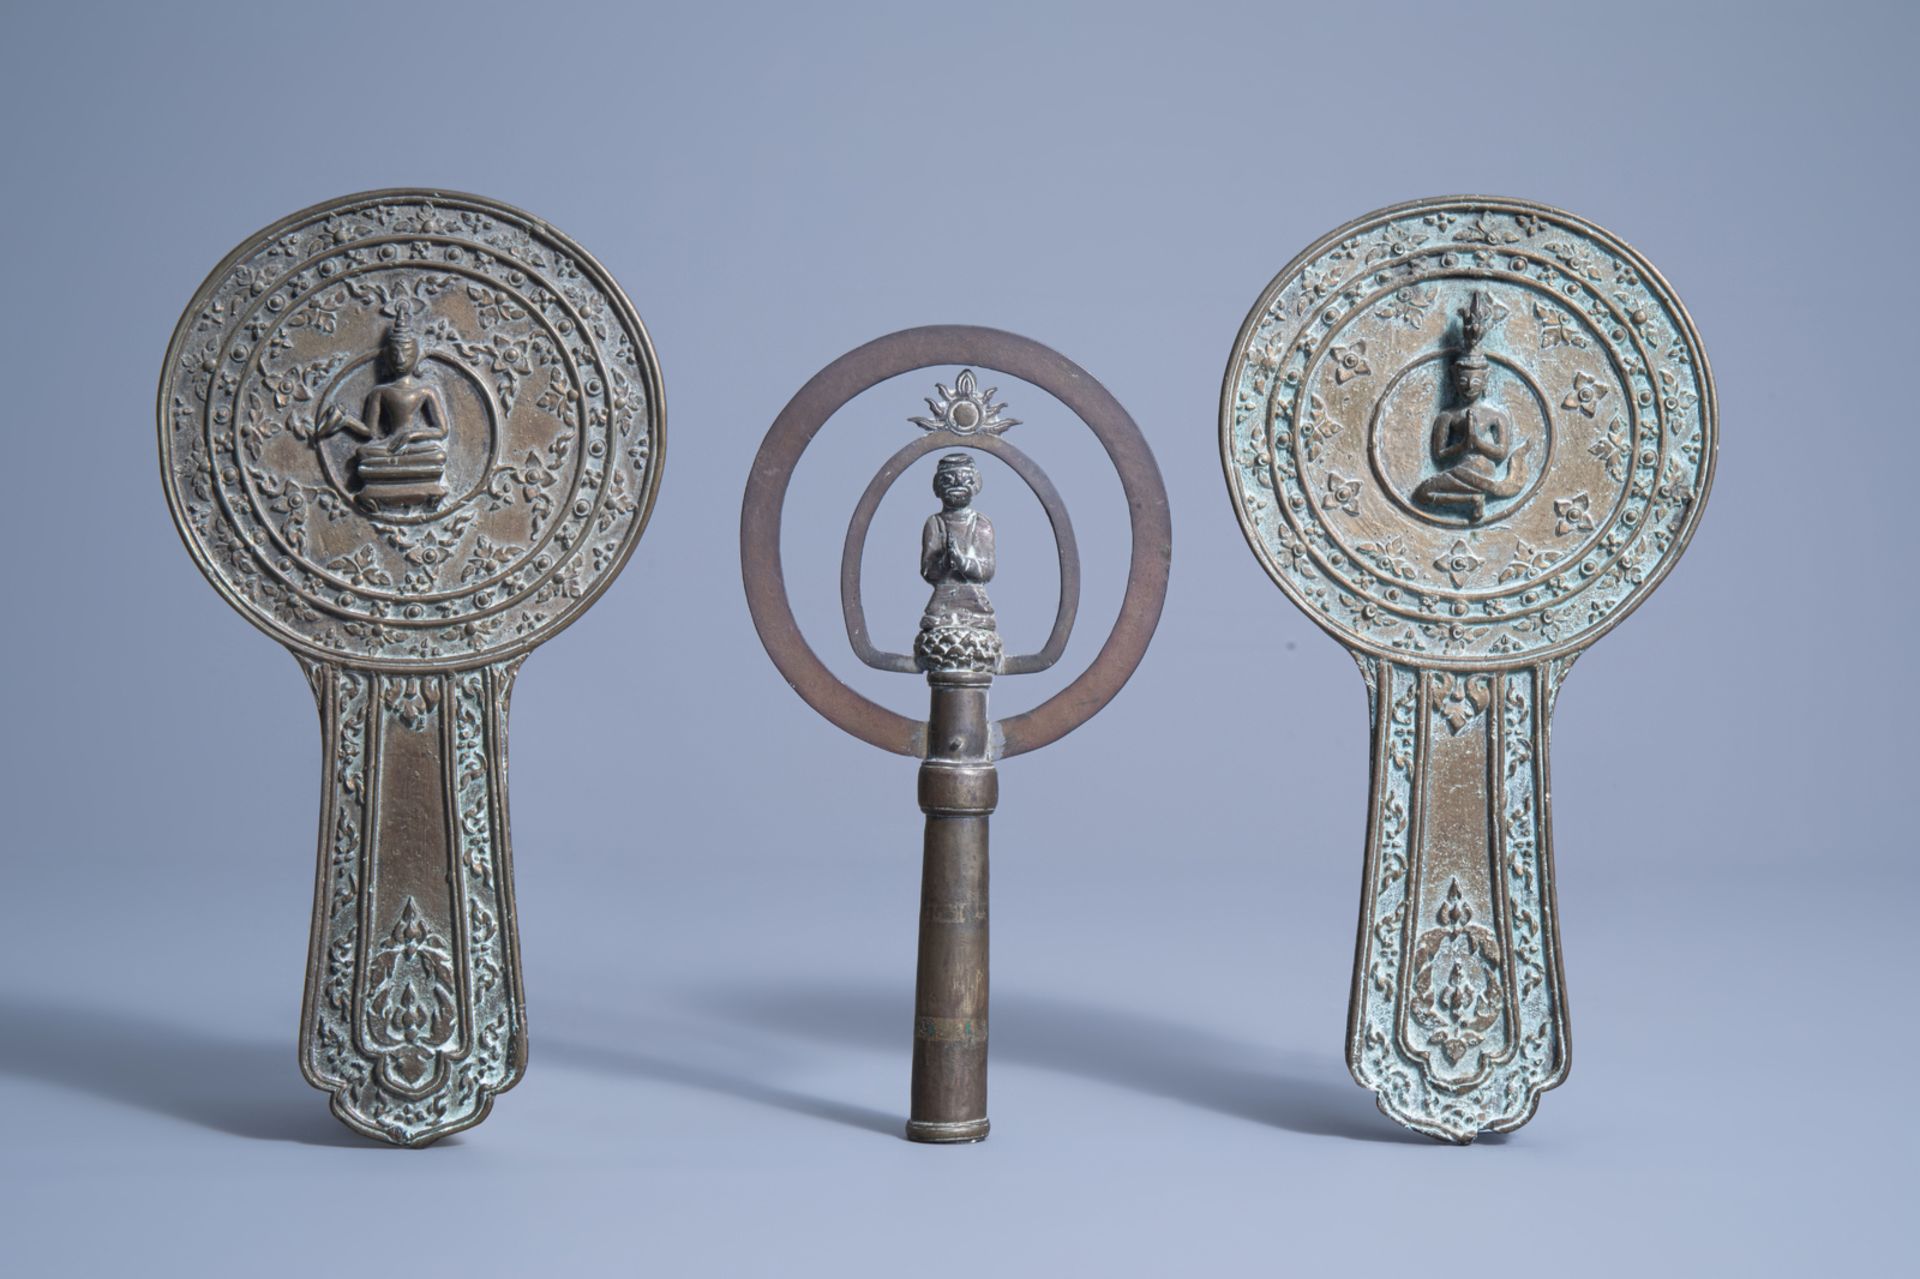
(958, 789)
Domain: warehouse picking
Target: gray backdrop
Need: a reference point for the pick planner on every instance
(718, 891)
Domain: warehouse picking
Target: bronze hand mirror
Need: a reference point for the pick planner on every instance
(958, 647)
(1466, 436)
(411, 435)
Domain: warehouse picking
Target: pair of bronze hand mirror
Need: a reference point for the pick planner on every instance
(410, 435)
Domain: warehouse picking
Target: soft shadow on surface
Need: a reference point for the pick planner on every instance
(234, 1086)
(606, 1060)
(1125, 1049)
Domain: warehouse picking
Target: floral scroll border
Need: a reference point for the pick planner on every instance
(1616, 291)
(201, 438)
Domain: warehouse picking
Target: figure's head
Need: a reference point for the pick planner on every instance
(956, 480)
(1470, 378)
(403, 348)
(1477, 319)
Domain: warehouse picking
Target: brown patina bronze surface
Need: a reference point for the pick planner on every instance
(411, 434)
(1466, 436)
(958, 647)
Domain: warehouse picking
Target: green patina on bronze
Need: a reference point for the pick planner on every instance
(1466, 436)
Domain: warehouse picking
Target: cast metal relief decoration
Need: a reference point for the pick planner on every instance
(958, 648)
(1466, 436)
(957, 630)
(411, 435)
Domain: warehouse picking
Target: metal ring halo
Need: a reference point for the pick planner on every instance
(829, 391)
